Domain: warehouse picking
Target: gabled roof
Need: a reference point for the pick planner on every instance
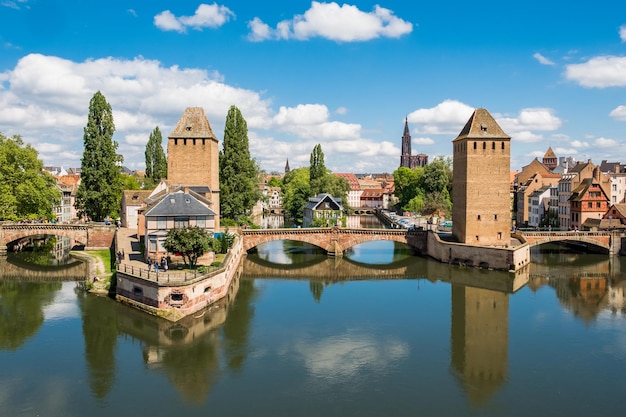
(580, 192)
(353, 181)
(580, 166)
(135, 197)
(481, 125)
(620, 208)
(179, 204)
(321, 199)
(550, 154)
(193, 124)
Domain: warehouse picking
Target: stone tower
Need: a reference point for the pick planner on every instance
(481, 212)
(193, 156)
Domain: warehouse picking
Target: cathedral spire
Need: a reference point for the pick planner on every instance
(287, 169)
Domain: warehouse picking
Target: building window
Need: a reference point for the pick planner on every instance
(201, 222)
(161, 222)
(153, 244)
(589, 204)
(493, 145)
(598, 204)
(181, 222)
(495, 217)
(474, 145)
(502, 145)
(478, 218)
(499, 235)
(484, 145)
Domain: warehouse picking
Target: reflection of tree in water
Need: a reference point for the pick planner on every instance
(100, 333)
(317, 288)
(236, 329)
(38, 252)
(21, 310)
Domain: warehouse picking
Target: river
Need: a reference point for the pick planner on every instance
(378, 333)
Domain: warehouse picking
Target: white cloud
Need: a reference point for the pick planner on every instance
(132, 12)
(206, 16)
(423, 141)
(622, 33)
(566, 151)
(526, 136)
(619, 113)
(605, 143)
(345, 23)
(580, 144)
(342, 111)
(542, 59)
(599, 72)
(530, 119)
(447, 117)
(45, 99)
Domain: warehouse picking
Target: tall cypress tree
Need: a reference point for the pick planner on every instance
(100, 187)
(156, 162)
(239, 189)
(317, 169)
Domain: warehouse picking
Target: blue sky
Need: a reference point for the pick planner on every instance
(344, 75)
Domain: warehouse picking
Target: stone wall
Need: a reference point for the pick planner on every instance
(176, 300)
(510, 259)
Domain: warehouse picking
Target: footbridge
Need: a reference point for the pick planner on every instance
(91, 235)
(607, 242)
(335, 240)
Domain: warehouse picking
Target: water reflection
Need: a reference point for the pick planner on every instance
(22, 307)
(479, 339)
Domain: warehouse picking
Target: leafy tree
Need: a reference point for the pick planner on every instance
(296, 193)
(129, 182)
(27, 191)
(190, 242)
(274, 182)
(406, 182)
(317, 170)
(223, 242)
(100, 190)
(156, 162)
(239, 174)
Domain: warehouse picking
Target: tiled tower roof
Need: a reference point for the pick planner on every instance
(481, 125)
(193, 124)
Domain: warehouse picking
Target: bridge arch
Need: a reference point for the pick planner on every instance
(334, 240)
(94, 235)
(594, 241)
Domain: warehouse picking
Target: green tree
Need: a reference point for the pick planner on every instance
(239, 174)
(406, 183)
(156, 162)
(100, 190)
(129, 182)
(317, 170)
(190, 242)
(296, 193)
(27, 191)
(274, 182)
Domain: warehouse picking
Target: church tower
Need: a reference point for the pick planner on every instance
(193, 156)
(549, 159)
(405, 158)
(481, 210)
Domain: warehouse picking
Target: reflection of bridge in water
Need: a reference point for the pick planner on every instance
(603, 242)
(341, 269)
(14, 269)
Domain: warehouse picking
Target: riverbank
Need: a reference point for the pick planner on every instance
(100, 276)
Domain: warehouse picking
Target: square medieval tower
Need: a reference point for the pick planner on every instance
(193, 156)
(481, 210)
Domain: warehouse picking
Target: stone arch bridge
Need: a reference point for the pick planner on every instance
(91, 235)
(335, 240)
(607, 242)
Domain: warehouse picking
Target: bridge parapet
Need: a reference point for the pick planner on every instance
(94, 235)
(609, 240)
(333, 240)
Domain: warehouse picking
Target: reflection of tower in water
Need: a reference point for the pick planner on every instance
(479, 338)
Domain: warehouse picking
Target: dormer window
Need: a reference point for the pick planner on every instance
(483, 128)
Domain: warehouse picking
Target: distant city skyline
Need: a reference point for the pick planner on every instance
(344, 75)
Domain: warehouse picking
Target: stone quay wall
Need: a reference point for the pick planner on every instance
(174, 298)
(501, 258)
